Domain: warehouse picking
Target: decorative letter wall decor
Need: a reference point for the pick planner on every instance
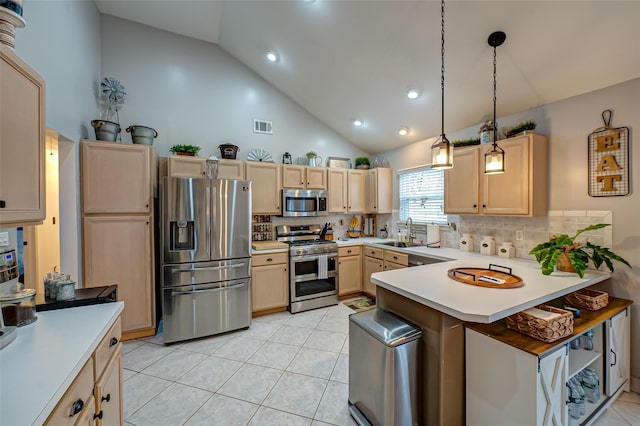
(609, 159)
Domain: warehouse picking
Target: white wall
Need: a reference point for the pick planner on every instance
(194, 92)
(61, 41)
(568, 123)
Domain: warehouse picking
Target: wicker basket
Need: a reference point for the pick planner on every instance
(545, 330)
(591, 300)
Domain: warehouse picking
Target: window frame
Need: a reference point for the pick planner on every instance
(428, 218)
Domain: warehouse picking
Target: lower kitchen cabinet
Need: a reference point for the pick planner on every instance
(95, 395)
(349, 270)
(373, 262)
(270, 282)
(514, 379)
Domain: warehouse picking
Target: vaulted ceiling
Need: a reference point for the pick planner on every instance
(345, 60)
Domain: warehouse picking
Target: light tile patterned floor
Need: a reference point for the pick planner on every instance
(285, 370)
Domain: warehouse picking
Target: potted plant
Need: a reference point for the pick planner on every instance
(566, 254)
(521, 127)
(179, 149)
(362, 163)
(465, 142)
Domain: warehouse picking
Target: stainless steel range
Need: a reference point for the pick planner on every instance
(313, 267)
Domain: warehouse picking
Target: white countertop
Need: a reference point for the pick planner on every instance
(40, 364)
(430, 285)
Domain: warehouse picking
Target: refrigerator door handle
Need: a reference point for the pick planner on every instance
(227, 287)
(209, 268)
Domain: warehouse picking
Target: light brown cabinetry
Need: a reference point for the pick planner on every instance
(22, 142)
(395, 260)
(231, 169)
(117, 235)
(349, 270)
(95, 395)
(346, 190)
(304, 177)
(520, 191)
(270, 282)
(265, 186)
(373, 262)
(379, 190)
(186, 166)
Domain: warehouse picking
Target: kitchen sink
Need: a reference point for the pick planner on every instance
(418, 260)
(400, 244)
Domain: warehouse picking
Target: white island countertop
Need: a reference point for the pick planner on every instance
(40, 364)
(429, 285)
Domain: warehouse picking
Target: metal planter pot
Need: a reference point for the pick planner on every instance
(142, 135)
(106, 130)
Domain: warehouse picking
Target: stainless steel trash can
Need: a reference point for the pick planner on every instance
(383, 362)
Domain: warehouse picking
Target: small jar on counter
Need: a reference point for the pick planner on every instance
(466, 242)
(507, 250)
(488, 245)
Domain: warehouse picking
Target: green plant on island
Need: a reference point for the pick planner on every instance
(465, 142)
(362, 161)
(521, 127)
(566, 254)
(191, 149)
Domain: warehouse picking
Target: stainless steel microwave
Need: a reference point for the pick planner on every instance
(304, 202)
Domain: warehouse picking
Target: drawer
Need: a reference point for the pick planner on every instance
(269, 259)
(396, 257)
(349, 251)
(78, 395)
(373, 252)
(109, 345)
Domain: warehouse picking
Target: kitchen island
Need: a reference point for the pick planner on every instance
(427, 297)
(49, 357)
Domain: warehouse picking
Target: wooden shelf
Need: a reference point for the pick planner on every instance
(581, 358)
(498, 330)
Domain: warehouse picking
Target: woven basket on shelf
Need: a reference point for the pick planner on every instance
(591, 300)
(545, 330)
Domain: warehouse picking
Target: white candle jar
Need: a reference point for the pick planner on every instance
(488, 246)
(466, 242)
(507, 250)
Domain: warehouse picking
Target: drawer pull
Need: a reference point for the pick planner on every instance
(113, 342)
(395, 257)
(348, 251)
(106, 398)
(269, 259)
(98, 416)
(3, 204)
(77, 407)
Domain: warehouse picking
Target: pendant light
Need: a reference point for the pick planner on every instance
(442, 150)
(494, 159)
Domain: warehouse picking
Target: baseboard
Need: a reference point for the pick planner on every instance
(635, 384)
(130, 335)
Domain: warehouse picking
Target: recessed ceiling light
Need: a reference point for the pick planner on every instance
(272, 56)
(357, 123)
(403, 131)
(413, 93)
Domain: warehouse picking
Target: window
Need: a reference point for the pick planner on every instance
(422, 195)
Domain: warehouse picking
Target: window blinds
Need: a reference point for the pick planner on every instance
(422, 195)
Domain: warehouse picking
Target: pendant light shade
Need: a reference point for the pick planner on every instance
(494, 159)
(442, 150)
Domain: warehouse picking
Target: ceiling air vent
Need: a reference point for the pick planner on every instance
(262, 126)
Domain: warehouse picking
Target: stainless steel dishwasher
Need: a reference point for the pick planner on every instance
(383, 362)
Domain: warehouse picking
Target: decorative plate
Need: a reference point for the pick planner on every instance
(259, 155)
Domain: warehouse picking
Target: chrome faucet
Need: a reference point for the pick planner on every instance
(408, 225)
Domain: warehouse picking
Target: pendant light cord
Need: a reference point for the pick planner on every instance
(495, 125)
(442, 67)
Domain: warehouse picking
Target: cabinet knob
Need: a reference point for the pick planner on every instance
(301, 183)
(348, 251)
(106, 398)
(146, 206)
(3, 204)
(98, 416)
(484, 206)
(113, 342)
(395, 257)
(475, 205)
(77, 407)
(269, 259)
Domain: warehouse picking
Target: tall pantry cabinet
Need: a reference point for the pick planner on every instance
(117, 227)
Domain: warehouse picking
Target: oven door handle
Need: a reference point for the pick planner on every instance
(312, 257)
(209, 268)
(226, 287)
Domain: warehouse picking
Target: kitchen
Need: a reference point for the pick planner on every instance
(103, 46)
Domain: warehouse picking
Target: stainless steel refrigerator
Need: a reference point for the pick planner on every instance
(206, 261)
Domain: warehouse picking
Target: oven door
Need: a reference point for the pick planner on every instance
(313, 276)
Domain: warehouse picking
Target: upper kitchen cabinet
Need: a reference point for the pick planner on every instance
(346, 190)
(379, 190)
(116, 177)
(304, 177)
(231, 169)
(265, 186)
(186, 166)
(22, 142)
(520, 191)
